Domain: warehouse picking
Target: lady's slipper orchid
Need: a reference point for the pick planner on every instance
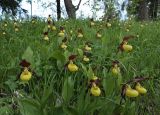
(46, 36)
(80, 33)
(62, 32)
(25, 75)
(124, 45)
(95, 90)
(85, 58)
(131, 92)
(16, 29)
(53, 28)
(140, 89)
(49, 19)
(115, 68)
(87, 48)
(72, 67)
(92, 22)
(98, 35)
(63, 46)
(127, 47)
(109, 24)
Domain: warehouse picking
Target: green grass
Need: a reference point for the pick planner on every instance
(55, 90)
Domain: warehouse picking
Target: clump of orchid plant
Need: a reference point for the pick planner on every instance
(124, 46)
(71, 66)
(80, 33)
(87, 46)
(63, 44)
(94, 86)
(46, 36)
(98, 34)
(16, 29)
(61, 32)
(26, 74)
(115, 68)
(137, 89)
(86, 56)
(92, 23)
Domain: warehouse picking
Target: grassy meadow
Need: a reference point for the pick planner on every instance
(79, 67)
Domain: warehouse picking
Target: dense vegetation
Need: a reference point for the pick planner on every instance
(44, 52)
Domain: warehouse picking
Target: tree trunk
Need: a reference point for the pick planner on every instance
(153, 9)
(143, 11)
(58, 9)
(158, 9)
(71, 9)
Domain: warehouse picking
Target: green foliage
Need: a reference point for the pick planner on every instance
(29, 107)
(28, 55)
(67, 90)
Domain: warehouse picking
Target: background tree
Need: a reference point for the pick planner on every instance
(11, 6)
(58, 9)
(154, 8)
(110, 11)
(30, 2)
(143, 10)
(71, 9)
